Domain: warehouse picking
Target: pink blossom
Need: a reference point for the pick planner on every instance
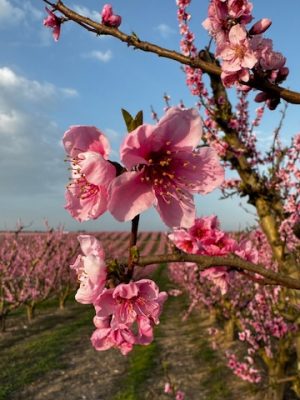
(272, 60)
(240, 10)
(109, 18)
(180, 395)
(231, 78)
(165, 170)
(120, 337)
(246, 250)
(219, 276)
(128, 301)
(87, 193)
(126, 314)
(91, 269)
(296, 142)
(53, 22)
(237, 53)
(167, 388)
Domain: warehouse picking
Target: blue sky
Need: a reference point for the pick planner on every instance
(45, 87)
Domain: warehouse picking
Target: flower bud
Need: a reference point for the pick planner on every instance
(260, 26)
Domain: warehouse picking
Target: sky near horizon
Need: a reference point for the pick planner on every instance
(85, 80)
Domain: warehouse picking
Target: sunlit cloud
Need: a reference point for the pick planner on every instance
(165, 30)
(103, 56)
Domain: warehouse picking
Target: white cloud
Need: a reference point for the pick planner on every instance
(13, 12)
(16, 89)
(103, 56)
(165, 30)
(29, 153)
(10, 14)
(92, 14)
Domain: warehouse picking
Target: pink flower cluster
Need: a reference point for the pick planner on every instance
(240, 50)
(244, 370)
(205, 238)
(126, 314)
(163, 168)
(188, 48)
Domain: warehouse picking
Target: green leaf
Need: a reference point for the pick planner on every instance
(138, 120)
(127, 118)
(132, 123)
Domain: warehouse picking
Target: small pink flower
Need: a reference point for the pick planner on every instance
(237, 53)
(180, 395)
(53, 22)
(91, 269)
(167, 388)
(165, 170)
(87, 193)
(109, 18)
(131, 300)
(125, 315)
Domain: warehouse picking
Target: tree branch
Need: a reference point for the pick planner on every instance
(134, 41)
(205, 262)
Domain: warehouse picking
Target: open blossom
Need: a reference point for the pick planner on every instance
(54, 22)
(91, 269)
(222, 15)
(87, 193)
(164, 169)
(109, 18)
(126, 314)
(128, 301)
(236, 53)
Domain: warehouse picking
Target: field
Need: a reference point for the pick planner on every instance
(51, 357)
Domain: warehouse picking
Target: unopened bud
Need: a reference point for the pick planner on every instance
(260, 27)
(282, 74)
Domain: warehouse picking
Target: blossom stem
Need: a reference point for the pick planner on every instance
(133, 253)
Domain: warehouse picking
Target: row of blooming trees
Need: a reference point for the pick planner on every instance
(35, 266)
(166, 164)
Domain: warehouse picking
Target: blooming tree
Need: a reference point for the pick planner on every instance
(164, 165)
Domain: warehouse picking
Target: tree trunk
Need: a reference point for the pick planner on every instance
(3, 322)
(275, 390)
(229, 331)
(30, 308)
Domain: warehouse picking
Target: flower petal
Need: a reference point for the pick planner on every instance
(91, 246)
(137, 146)
(177, 212)
(183, 128)
(78, 139)
(203, 172)
(129, 196)
(96, 169)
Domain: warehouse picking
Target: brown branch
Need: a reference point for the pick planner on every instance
(205, 262)
(132, 244)
(134, 41)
